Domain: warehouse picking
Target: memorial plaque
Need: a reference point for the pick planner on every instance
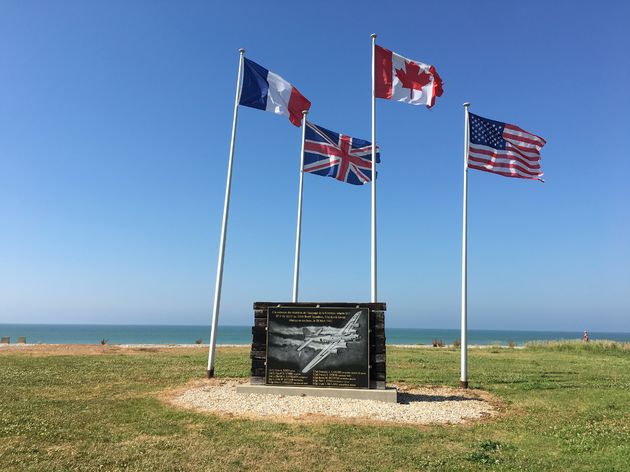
(319, 347)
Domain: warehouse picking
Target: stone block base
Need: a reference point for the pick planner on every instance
(389, 395)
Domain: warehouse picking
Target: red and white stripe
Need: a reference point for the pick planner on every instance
(520, 159)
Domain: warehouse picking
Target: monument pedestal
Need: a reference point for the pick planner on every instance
(389, 395)
(319, 349)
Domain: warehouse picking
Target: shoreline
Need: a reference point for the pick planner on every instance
(206, 346)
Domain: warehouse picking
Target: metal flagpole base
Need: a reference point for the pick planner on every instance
(463, 384)
(211, 373)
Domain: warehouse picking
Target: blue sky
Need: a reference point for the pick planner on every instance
(114, 134)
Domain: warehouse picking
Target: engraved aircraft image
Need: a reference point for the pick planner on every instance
(331, 342)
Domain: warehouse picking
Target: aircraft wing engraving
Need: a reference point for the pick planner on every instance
(323, 354)
(352, 324)
(310, 336)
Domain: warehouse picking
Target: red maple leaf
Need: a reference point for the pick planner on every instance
(412, 78)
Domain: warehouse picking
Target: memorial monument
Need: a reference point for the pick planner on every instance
(319, 349)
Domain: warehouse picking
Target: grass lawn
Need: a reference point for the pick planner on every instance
(568, 408)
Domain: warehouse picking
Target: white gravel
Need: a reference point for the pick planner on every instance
(433, 405)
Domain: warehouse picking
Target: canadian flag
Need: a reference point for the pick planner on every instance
(404, 80)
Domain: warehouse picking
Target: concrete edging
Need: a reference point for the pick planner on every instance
(389, 395)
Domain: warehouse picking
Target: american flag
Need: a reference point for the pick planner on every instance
(504, 149)
(337, 155)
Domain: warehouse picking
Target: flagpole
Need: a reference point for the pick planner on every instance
(226, 209)
(373, 263)
(298, 236)
(463, 381)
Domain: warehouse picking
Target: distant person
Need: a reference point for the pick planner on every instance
(585, 336)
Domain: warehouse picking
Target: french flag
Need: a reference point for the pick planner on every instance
(267, 91)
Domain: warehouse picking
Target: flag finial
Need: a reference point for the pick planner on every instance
(241, 51)
(373, 35)
(466, 104)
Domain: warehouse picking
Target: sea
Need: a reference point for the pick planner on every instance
(172, 334)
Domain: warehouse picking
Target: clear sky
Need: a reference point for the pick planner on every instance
(114, 133)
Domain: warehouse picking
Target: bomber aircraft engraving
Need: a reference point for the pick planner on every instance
(329, 343)
(324, 347)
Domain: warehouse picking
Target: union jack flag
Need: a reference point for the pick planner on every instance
(337, 155)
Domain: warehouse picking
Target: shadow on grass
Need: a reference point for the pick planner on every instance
(407, 398)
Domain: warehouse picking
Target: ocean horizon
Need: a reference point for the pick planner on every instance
(191, 334)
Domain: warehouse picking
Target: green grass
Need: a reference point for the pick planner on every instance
(600, 345)
(567, 408)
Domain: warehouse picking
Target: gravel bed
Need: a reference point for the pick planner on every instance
(433, 405)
